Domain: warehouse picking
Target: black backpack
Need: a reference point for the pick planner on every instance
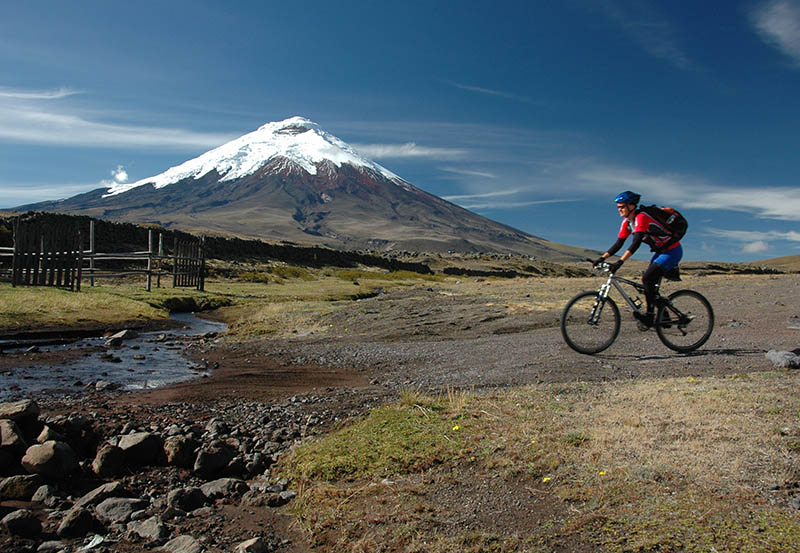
(669, 218)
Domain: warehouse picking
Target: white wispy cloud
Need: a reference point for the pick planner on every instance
(489, 91)
(37, 94)
(500, 205)
(751, 242)
(468, 172)
(34, 117)
(493, 194)
(778, 24)
(647, 26)
(754, 235)
(409, 150)
(780, 203)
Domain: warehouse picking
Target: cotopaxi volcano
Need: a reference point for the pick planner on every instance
(292, 181)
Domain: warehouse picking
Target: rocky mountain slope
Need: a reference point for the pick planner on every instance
(292, 181)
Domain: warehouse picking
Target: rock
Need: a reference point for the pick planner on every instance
(182, 544)
(22, 523)
(142, 448)
(77, 523)
(19, 410)
(11, 439)
(255, 545)
(46, 495)
(101, 493)
(783, 359)
(217, 427)
(212, 460)
(51, 545)
(9, 463)
(48, 434)
(224, 487)
(180, 451)
(109, 461)
(115, 340)
(119, 509)
(102, 385)
(20, 488)
(187, 499)
(152, 529)
(51, 459)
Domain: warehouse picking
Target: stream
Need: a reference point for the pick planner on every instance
(149, 360)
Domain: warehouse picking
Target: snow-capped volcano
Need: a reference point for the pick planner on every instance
(297, 140)
(292, 181)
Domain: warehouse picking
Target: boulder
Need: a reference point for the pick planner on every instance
(51, 459)
(22, 523)
(19, 410)
(186, 499)
(77, 523)
(20, 488)
(224, 487)
(180, 451)
(101, 493)
(120, 509)
(109, 461)
(182, 544)
(784, 359)
(212, 460)
(46, 495)
(151, 529)
(255, 545)
(48, 433)
(142, 448)
(11, 439)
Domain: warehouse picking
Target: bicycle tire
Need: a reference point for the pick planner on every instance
(689, 335)
(584, 336)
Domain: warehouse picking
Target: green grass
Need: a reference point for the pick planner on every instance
(409, 437)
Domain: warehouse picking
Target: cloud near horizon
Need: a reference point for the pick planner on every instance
(33, 117)
(779, 203)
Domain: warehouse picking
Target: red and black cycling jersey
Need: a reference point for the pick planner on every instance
(655, 235)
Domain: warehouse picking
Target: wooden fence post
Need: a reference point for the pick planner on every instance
(149, 260)
(91, 253)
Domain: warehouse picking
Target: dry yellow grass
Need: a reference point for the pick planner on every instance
(678, 464)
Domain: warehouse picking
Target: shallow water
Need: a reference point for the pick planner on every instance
(151, 360)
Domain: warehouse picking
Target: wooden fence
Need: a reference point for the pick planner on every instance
(42, 257)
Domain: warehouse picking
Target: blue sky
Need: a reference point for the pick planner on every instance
(535, 114)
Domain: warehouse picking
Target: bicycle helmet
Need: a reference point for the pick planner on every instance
(628, 197)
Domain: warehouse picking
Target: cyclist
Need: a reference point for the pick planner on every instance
(644, 229)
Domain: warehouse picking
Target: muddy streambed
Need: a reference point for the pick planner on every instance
(149, 360)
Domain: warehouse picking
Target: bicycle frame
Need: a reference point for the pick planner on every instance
(614, 281)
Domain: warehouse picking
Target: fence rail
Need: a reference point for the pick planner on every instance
(39, 258)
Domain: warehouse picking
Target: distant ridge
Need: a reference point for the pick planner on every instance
(292, 181)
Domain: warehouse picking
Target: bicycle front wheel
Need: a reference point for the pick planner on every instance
(589, 323)
(685, 321)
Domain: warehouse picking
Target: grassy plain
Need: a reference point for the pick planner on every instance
(657, 465)
(670, 464)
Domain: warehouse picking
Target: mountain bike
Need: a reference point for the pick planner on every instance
(590, 321)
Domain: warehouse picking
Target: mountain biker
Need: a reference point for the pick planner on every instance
(644, 229)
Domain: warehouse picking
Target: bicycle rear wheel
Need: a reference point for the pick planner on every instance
(589, 323)
(685, 321)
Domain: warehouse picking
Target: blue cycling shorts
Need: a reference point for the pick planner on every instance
(668, 259)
